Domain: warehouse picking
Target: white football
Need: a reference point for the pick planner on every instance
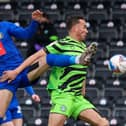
(117, 64)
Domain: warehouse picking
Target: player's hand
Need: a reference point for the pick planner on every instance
(36, 98)
(37, 15)
(9, 76)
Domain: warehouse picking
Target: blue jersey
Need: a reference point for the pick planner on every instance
(10, 57)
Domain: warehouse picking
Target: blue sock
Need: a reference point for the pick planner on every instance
(60, 60)
(1, 120)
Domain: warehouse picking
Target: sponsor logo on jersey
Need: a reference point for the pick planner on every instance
(2, 49)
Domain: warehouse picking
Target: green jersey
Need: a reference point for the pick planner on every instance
(70, 78)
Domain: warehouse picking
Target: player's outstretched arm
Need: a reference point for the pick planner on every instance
(50, 59)
(43, 61)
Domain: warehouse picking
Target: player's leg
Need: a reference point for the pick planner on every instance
(57, 115)
(56, 119)
(13, 117)
(17, 116)
(61, 108)
(5, 98)
(86, 112)
(8, 124)
(6, 93)
(7, 120)
(54, 60)
(12, 122)
(66, 60)
(61, 60)
(18, 122)
(93, 118)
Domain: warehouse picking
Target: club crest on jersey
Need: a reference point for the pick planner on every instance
(63, 108)
(1, 35)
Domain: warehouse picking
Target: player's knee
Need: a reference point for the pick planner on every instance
(103, 122)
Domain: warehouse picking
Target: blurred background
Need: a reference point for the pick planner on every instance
(106, 22)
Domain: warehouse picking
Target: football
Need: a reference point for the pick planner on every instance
(117, 64)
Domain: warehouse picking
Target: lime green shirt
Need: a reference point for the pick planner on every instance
(70, 78)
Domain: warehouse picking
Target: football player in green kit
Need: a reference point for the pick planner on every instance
(67, 84)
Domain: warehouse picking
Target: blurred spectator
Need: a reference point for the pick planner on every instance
(44, 36)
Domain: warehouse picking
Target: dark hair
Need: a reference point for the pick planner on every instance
(72, 20)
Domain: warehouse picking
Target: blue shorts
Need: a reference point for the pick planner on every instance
(13, 113)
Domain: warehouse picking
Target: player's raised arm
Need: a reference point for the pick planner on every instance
(51, 60)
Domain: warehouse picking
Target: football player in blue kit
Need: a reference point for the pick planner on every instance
(10, 56)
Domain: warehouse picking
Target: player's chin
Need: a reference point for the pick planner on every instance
(84, 36)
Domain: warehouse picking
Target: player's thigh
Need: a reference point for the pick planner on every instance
(93, 117)
(8, 124)
(5, 98)
(18, 122)
(17, 116)
(56, 119)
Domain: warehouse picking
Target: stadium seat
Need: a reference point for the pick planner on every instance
(118, 12)
(28, 112)
(104, 72)
(119, 112)
(97, 15)
(108, 33)
(113, 82)
(81, 123)
(7, 15)
(113, 93)
(92, 93)
(42, 92)
(62, 32)
(104, 111)
(54, 15)
(37, 121)
(93, 82)
(20, 93)
(117, 50)
(68, 13)
(45, 112)
(69, 122)
(124, 32)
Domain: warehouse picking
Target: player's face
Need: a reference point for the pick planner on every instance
(81, 30)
